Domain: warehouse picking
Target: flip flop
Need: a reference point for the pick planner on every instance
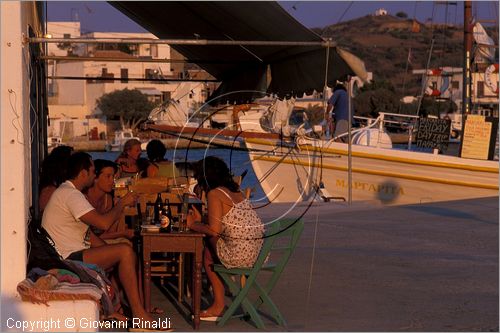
(156, 310)
(205, 316)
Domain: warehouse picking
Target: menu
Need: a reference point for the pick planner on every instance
(433, 133)
(479, 137)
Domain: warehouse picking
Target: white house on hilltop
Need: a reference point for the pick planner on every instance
(381, 12)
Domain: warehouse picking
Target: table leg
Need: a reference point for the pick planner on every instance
(147, 280)
(197, 287)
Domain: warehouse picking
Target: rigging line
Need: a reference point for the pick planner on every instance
(268, 172)
(311, 270)
(345, 12)
(404, 78)
(444, 35)
(246, 49)
(425, 79)
(432, 20)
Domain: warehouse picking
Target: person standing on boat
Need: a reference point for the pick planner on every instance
(127, 161)
(159, 166)
(339, 104)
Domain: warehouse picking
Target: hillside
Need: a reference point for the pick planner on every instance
(382, 42)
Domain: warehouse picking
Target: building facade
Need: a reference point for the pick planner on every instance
(73, 110)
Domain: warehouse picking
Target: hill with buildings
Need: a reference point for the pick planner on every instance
(384, 43)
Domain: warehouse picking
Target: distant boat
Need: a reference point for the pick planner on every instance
(54, 141)
(120, 138)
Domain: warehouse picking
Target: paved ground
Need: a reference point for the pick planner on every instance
(431, 267)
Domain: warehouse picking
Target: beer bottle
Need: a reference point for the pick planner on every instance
(166, 218)
(157, 210)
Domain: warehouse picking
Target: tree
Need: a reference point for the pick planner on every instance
(370, 102)
(130, 106)
(401, 14)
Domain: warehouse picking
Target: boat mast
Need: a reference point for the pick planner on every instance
(466, 74)
(467, 79)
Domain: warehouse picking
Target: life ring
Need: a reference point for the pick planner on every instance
(493, 85)
(434, 72)
(444, 84)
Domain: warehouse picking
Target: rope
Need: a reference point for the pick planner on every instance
(311, 270)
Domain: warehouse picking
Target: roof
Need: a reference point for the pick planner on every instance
(112, 54)
(283, 70)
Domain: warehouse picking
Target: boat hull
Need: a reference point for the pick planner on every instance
(386, 176)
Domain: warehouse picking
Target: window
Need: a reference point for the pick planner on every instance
(165, 96)
(154, 51)
(65, 36)
(124, 75)
(149, 73)
(455, 85)
(480, 89)
(105, 74)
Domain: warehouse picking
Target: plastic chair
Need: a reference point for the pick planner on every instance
(281, 238)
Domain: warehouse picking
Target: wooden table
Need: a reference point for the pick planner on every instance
(185, 242)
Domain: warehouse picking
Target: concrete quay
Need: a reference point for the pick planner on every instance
(427, 267)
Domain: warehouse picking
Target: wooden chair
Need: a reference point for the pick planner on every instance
(164, 267)
(286, 231)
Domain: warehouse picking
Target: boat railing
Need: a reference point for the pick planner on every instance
(381, 121)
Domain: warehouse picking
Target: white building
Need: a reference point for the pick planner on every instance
(449, 83)
(381, 12)
(72, 103)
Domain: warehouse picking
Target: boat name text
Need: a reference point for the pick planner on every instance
(379, 188)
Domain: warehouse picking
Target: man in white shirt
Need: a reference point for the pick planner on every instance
(67, 218)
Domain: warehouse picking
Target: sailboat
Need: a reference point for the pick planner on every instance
(301, 166)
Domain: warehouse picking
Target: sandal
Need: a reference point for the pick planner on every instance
(206, 316)
(117, 316)
(156, 310)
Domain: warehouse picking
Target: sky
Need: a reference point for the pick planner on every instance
(100, 16)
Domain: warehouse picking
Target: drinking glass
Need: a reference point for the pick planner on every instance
(150, 213)
(182, 222)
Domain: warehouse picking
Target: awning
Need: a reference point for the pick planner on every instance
(150, 91)
(245, 71)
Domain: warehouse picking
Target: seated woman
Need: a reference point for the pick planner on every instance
(234, 229)
(53, 173)
(159, 166)
(100, 195)
(127, 161)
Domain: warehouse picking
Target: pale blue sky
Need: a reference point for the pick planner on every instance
(100, 16)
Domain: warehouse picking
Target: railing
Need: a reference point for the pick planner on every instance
(381, 121)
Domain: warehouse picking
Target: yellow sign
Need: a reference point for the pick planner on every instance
(476, 139)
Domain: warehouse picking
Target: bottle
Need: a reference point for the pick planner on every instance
(157, 209)
(166, 218)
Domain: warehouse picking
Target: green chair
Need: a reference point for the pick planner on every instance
(280, 241)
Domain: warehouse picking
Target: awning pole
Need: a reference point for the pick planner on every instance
(349, 141)
(136, 59)
(323, 43)
(325, 86)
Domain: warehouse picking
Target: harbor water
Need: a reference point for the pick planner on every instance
(238, 162)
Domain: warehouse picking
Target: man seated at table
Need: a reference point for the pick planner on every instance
(67, 218)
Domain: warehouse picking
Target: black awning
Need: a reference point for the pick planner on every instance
(293, 69)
